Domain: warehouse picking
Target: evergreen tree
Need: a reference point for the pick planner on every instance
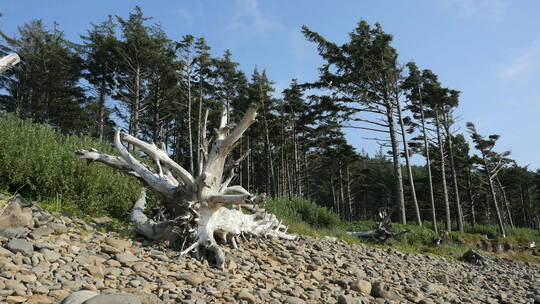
(492, 162)
(99, 54)
(134, 63)
(45, 85)
(365, 72)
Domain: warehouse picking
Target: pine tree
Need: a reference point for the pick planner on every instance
(134, 62)
(99, 53)
(45, 85)
(365, 72)
(492, 163)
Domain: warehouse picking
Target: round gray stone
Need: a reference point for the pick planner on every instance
(20, 245)
(79, 297)
(114, 298)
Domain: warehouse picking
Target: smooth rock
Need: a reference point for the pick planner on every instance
(41, 231)
(20, 245)
(57, 228)
(5, 252)
(102, 220)
(14, 217)
(294, 300)
(191, 279)
(361, 286)
(119, 244)
(15, 299)
(14, 285)
(348, 299)
(114, 298)
(79, 297)
(40, 299)
(126, 257)
(50, 255)
(14, 232)
(245, 295)
(381, 290)
(58, 294)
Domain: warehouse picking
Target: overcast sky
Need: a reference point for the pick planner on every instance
(488, 49)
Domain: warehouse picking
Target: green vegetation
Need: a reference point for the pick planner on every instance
(301, 209)
(306, 218)
(40, 163)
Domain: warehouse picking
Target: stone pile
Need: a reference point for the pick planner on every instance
(49, 258)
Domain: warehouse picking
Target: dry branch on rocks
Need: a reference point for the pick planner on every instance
(198, 209)
(384, 230)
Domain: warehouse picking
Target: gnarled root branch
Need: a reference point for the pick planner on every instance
(198, 210)
(228, 224)
(384, 230)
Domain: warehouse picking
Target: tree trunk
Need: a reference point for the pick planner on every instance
(529, 208)
(342, 192)
(398, 179)
(526, 220)
(408, 164)
(270, 179)
(506, 202)
(136, 104)
(200, 127)
(454, 177)
(493, 196)
(190, 131)
(297, 173)
(306, 180)
(349, 195)
(471, 198)
(101, 109)
(334, 196)
(428, 165)
(443, 172)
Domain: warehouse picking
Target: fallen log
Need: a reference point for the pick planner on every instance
(384, 230)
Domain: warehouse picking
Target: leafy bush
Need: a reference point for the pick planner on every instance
(491, 231)
(40, 163)
(301, 209)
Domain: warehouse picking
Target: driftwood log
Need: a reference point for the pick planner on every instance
(8, 61)
(384, 230)
(198, 210)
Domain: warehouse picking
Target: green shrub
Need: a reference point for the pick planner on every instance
(40, 163)
(301, 209)
(491, 231)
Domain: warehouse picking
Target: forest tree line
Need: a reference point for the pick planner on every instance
(128, 72)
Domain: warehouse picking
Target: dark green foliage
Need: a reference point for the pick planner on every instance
(41, 163)
(99, 52)
(45, 85)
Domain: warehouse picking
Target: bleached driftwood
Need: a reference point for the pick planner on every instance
(8, 61)
(198, 209)
(384, 230)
